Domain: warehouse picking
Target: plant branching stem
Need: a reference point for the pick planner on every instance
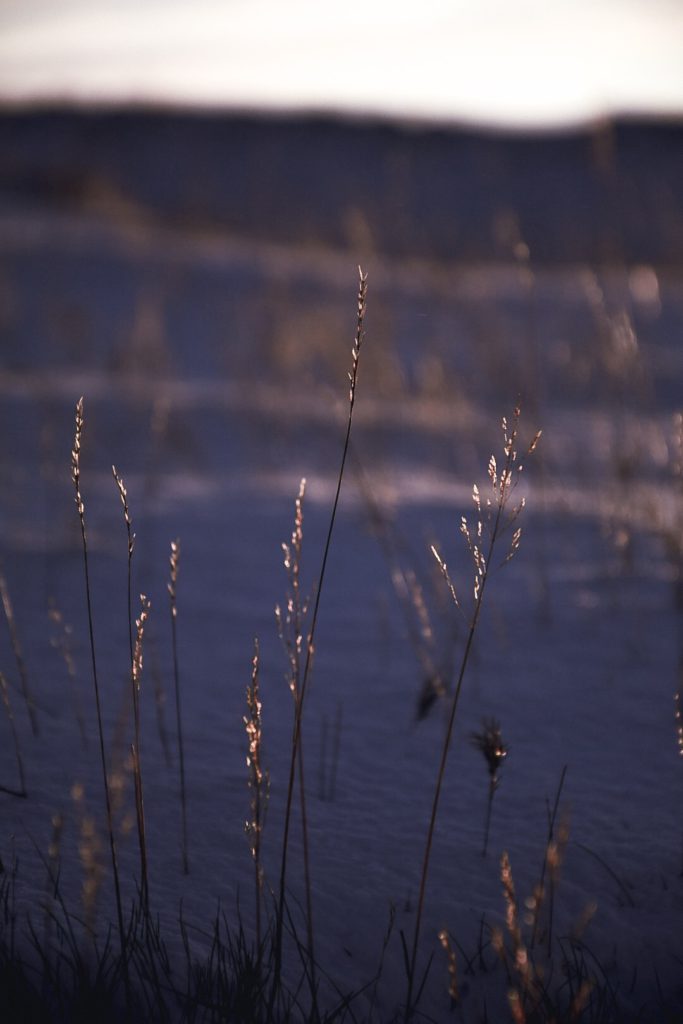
(409, 1008)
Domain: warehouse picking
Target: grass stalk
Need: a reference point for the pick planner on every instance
(76, 478)
(497, 522)
(135, 654)
(310, 646)
(172, 592)
(137, 769)
(258, 784)
(291, 631)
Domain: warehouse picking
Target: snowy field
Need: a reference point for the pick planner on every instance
(214, 378)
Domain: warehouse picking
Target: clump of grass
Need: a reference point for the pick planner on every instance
(490, 742)
(495, 518)
(529, 995)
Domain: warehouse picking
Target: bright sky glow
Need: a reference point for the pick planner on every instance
(526, 63)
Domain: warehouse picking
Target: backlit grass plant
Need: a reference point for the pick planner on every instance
(496, 516)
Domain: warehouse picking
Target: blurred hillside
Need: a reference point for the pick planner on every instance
(606, 194)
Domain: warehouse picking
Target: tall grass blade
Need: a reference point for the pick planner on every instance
(80, 507)
(173, 595)
(310, 646)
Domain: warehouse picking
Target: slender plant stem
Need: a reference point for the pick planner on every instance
(136, 674)
(76, 477)
(489, 808)
(307, 862)
(172, 590)
(310, 646)
(449, 730)
(135, 652)
(258, 784)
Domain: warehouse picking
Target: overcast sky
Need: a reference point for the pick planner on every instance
(523, 63)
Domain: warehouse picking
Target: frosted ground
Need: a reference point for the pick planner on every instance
(214, 377)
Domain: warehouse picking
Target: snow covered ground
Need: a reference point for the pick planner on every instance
(214, 378)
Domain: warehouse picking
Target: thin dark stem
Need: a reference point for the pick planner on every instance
(258, 786)
(136, 673)
(175, 556)
(310, 647)
(75, 462)
(489, 808)
(135, 670)
(307, 863)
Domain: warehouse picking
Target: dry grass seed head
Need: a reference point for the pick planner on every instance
(290, 623)
(174, 562)
(358, 339)
(258, 778)
(123, 495)
(490, 742)
(140, 632)
(76, 457)
(453, 992)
